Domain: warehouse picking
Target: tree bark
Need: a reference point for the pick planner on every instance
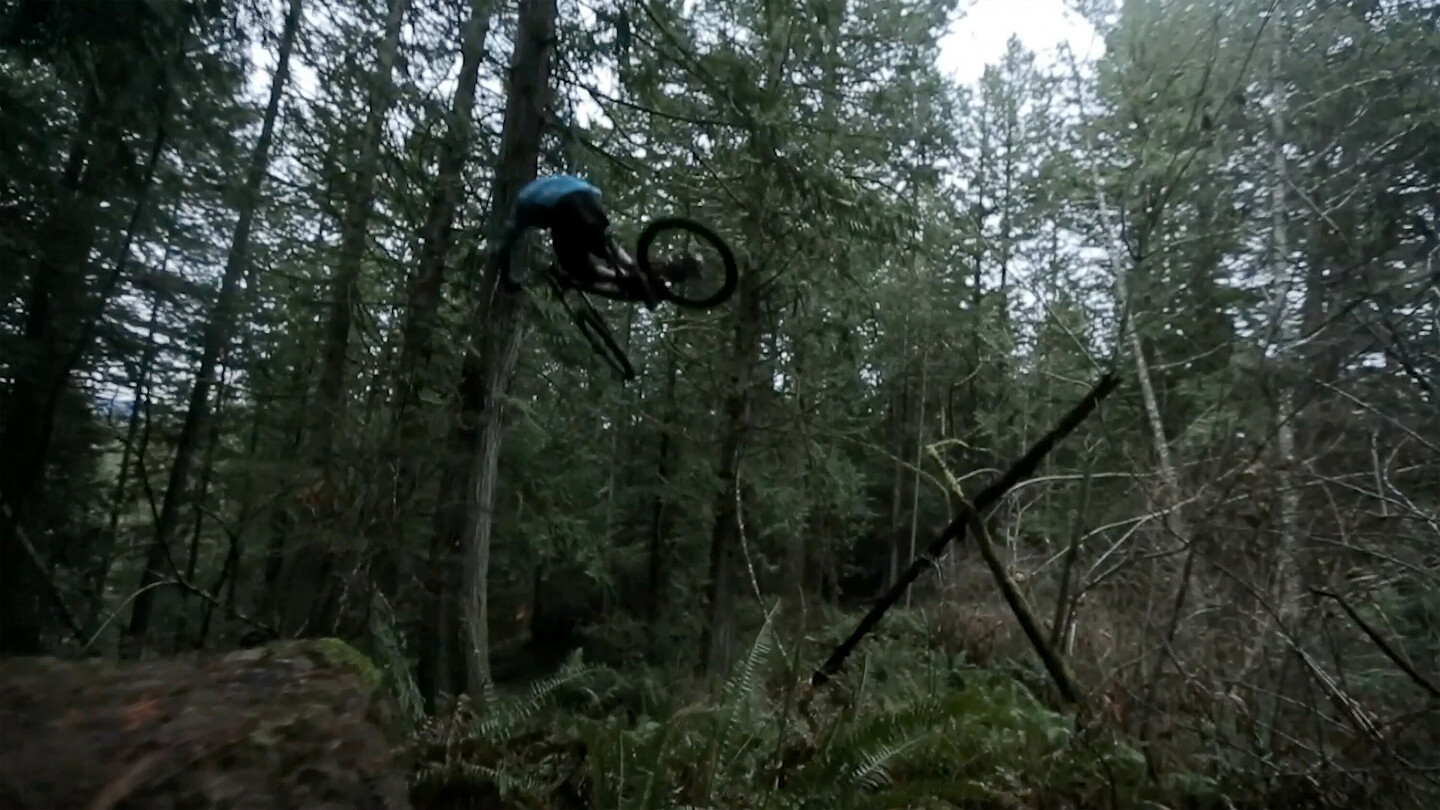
(217, 330)
(720, 597)
(899, 409)
(417, 336)
(619, 429)
(897, 495)
(202, 492)
(418, 339)
(792, 586)
(469, 478)
(1284, 581)
(1064, 608)
(919, 458)
(118, 499)
(1169, 501)
(230, 573)
(38, 393)
(345, 292)
(659, 514)
(1287, 575)
(69, 234)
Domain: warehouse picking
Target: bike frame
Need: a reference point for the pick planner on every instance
(634, 281)
(624, 288)
(593, 327)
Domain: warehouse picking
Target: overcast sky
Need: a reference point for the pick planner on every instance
(979, 38)
(976, 40)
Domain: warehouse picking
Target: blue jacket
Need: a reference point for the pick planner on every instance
(540, 195)
(532, 209)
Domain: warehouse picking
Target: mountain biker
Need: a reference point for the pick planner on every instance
(579, 232)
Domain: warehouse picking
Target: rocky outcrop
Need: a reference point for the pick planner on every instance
(295, 724)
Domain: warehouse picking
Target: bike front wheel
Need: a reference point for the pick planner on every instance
(705, 278)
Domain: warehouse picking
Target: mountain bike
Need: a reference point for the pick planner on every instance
(687, 281)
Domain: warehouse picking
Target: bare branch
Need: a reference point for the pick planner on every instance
(1390, 652)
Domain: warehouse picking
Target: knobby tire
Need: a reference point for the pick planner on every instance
(659, 226)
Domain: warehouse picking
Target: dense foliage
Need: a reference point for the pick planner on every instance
(255, 382)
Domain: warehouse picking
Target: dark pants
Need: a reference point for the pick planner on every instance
(578, 227)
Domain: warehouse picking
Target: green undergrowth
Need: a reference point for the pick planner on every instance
(890, 732)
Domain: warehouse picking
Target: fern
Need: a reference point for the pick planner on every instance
(391, 652)
(505, 716)
(871, 774)
(737, 696)
(494, 752)
(883, 736)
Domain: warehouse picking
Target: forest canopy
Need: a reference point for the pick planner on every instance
(258, 380)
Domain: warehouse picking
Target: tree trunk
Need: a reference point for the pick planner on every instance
(217, 330)
(1287, 578)
(38, 393)
(792, 586)
(1064, 609)
(919, 458)
(1284, 588)
(900, 408)
(345, 292)
(1170, 497)
(202, 492)
(57, 272)
(495, 332)
(417, 337)
(659, 514)
(897, 494)
(118, 498)
(230, 573)
(619, 429)
(416, 348)
(715, 644)
(277, 525)
(117, 266)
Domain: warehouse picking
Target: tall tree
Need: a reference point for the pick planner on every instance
(468, 482)
(422, 315)
(354, 234)
(218, 326)
(105, 57)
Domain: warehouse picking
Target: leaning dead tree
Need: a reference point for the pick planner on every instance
(969, 515)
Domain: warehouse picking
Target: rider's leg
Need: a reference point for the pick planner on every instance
(622, 257)
(580, 226)
(580, 231)
(575, 261)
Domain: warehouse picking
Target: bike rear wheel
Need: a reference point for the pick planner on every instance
(705, 285)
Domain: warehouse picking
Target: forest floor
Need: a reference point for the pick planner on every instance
(915, 720)
(908, 724)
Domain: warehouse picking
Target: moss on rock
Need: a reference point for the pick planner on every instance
(330, 652)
